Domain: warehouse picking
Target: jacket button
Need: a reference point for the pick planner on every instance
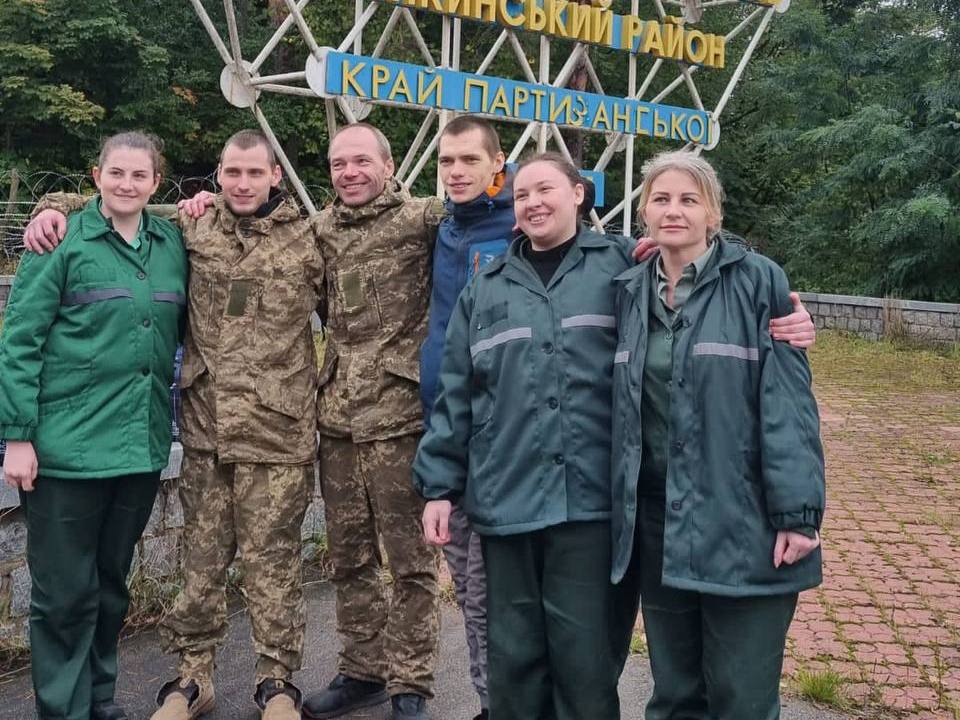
(680, 382)
(676, 505)
(146, 323)
(141, 275)
(678, 445)
(145, 371)
(558, 459)
(553, 403)
(548, 348)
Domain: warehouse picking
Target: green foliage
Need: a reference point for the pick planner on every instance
(825, 687)
(840, 149)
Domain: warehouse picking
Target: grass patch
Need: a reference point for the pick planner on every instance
(150, 599)
(824, 687)
(899, 366)
(638, 643)
(14, 655)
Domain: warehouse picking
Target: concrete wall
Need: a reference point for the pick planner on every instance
(873, 318)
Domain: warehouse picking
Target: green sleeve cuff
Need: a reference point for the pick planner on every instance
(18, 433)
(803, 521)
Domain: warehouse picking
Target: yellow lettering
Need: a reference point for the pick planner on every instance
(505, 18)
(641, 111)
(652, 40)
(536, 17)
(695, 46)
(604, 4)
(631, 29)
(484, 92)
(380, 76)
(676, 127)
(349, 79)
(400, 87)
(621, 117)
(499, 102)
(555, 21)
(538, 102)
(580, 112)
(580, 22)
(458, 7)
(603, 27)
(557, 108)
(435, 86)
(601, 116)
(520, 97)
(673, 41)
(695, 135)
(660, 127)
(716, 47)
(485, 10)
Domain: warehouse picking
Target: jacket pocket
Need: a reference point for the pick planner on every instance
(406, 369)
(192, 368)
(289, 394)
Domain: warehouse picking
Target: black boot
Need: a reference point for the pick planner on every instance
(407, 706)
(343, 695)
(107, 710)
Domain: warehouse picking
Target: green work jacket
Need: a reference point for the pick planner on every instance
(87, 349)
(521, 428)
(744, 453)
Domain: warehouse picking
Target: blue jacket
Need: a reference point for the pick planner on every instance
(473, 234)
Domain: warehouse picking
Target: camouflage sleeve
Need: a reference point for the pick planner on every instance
(433, 214)
(65, 203)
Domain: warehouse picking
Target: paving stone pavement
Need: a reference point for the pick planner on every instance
(887, 617)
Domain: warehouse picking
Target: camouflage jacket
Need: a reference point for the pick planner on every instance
(249, 373)
(249, 367)
(378, 260)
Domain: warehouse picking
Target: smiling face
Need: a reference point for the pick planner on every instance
(246, 176)
(676, 212)
(546, 202)
(358, 168)
(126, 179)
(466, 167)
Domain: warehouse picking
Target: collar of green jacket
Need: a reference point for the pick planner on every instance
(92, 225)
(728, 252)
(394, 194)
(285, 211)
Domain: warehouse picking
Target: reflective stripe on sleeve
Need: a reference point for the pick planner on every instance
(604, 321)
(727, 350)
(621, 357)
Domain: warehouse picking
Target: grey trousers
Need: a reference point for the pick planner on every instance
(465, 559)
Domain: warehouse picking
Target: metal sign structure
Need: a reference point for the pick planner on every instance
(350, 83)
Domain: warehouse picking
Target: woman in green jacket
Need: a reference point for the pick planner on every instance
(87, 351)
(521, 435)
(718, 478)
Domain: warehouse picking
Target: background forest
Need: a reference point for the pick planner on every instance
(840, 151)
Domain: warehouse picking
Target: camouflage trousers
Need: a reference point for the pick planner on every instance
(256, 510)
(388, 636)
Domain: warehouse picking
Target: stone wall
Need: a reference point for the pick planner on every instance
(873, 318)
(5, 282)
(156, 556)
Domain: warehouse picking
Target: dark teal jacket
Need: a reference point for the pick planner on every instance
(745, 458)
(87, 350)
(521, 429)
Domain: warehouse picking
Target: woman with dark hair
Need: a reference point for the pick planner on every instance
(87, 352)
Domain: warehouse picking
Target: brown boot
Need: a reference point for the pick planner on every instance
(184, 699)
(278, 700)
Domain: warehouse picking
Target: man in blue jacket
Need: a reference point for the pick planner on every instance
(477, 230)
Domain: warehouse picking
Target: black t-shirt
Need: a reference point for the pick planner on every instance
(546, 262)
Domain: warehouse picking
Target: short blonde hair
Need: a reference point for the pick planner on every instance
(697, 168)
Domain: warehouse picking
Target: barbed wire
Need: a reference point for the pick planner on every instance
(19, 192)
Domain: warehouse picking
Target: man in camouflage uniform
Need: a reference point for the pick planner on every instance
(376, 241)
(248, 425)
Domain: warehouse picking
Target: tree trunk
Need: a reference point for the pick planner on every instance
(574, 138)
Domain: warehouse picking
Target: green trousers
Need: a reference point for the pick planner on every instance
(549, 603)
(712, 657)
(80, 540)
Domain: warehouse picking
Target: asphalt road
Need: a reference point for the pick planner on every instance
(144, 669)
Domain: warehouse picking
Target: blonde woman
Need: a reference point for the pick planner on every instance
(718, 480)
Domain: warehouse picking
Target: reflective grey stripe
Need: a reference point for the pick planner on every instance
(500, 338)
(85, 297)
(170, 297)
(621, 357)
(725, 350)
(604, 321)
